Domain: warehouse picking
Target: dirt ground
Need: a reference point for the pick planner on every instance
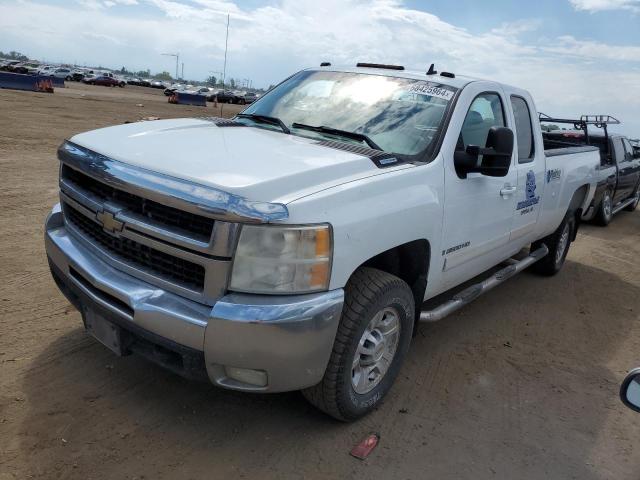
(522, 384)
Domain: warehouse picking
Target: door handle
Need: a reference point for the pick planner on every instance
(508, 190)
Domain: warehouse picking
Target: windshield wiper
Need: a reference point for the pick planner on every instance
(342, 133)
(265, 119)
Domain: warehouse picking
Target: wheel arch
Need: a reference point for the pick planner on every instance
(409, 262)
(577, 205)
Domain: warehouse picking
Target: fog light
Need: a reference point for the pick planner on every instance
(247, 375)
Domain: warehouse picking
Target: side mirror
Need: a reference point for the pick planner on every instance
(630, 390)
(494, 160)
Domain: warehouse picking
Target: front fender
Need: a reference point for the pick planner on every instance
(375, 214)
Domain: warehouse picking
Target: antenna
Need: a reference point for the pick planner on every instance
(432, 70)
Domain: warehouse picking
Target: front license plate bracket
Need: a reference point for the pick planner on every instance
(106, 332)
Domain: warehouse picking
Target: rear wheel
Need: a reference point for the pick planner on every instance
(636, 197)
(606, 209)
(558, 244)
(370, 346)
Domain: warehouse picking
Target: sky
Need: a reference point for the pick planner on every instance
(575, 56)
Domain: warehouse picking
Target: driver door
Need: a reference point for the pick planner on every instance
(478, 210)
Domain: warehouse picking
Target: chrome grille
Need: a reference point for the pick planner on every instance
(196, 226)
(177, 270)
(146, 232)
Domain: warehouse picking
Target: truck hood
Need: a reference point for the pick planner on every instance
(255, 163)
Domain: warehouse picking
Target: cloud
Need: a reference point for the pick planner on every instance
(590, 50)
(566, 75)
(100, 4)
(602, 5)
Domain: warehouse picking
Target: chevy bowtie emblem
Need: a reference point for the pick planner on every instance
(109, 223)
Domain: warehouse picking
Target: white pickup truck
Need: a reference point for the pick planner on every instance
(292, 247)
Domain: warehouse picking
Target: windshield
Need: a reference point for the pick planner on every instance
(401, 115)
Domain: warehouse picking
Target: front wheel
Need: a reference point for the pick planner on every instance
(606, 209)
(558, 244)
(636, 196)
(370, 346)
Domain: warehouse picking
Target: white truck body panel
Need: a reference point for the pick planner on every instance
(250, 162)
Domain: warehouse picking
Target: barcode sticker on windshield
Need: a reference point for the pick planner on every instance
(431, 90)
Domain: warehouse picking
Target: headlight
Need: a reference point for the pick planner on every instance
(275, 259)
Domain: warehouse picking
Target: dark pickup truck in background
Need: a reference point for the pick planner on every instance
(619, 173)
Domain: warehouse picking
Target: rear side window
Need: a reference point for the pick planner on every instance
(628, 149)
(524, 129)
(485, 112)
(618, 148)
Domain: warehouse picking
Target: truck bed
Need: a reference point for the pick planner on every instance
(569, 150)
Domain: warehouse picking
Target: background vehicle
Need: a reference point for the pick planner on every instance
(26, 68)
(157, 84)
(8, 65)
(207, 92)
(619, 171)
(249, 97)
(135, 81)
(229, 96)
(88, 78)
(310, 273)
(106, 81)
(173, 88)
(79, 75)
(64, 73)
(46, 69)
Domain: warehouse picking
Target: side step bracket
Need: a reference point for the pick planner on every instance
(469, 294)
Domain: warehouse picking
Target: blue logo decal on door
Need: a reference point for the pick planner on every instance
(531, 198)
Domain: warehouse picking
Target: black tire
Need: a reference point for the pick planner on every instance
(68, 79)
(558, 246)
(368, 292)
(604, 215)
(636, 194)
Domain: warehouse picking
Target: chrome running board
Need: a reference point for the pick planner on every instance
(469, 294)
(622, 205)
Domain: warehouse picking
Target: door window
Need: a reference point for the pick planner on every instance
(485, 112)
(524, 130)
(628, 150)
(618, 148)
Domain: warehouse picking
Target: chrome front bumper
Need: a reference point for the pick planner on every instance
(287, 337)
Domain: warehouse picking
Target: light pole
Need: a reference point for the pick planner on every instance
(226, 44)
(177, 55)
